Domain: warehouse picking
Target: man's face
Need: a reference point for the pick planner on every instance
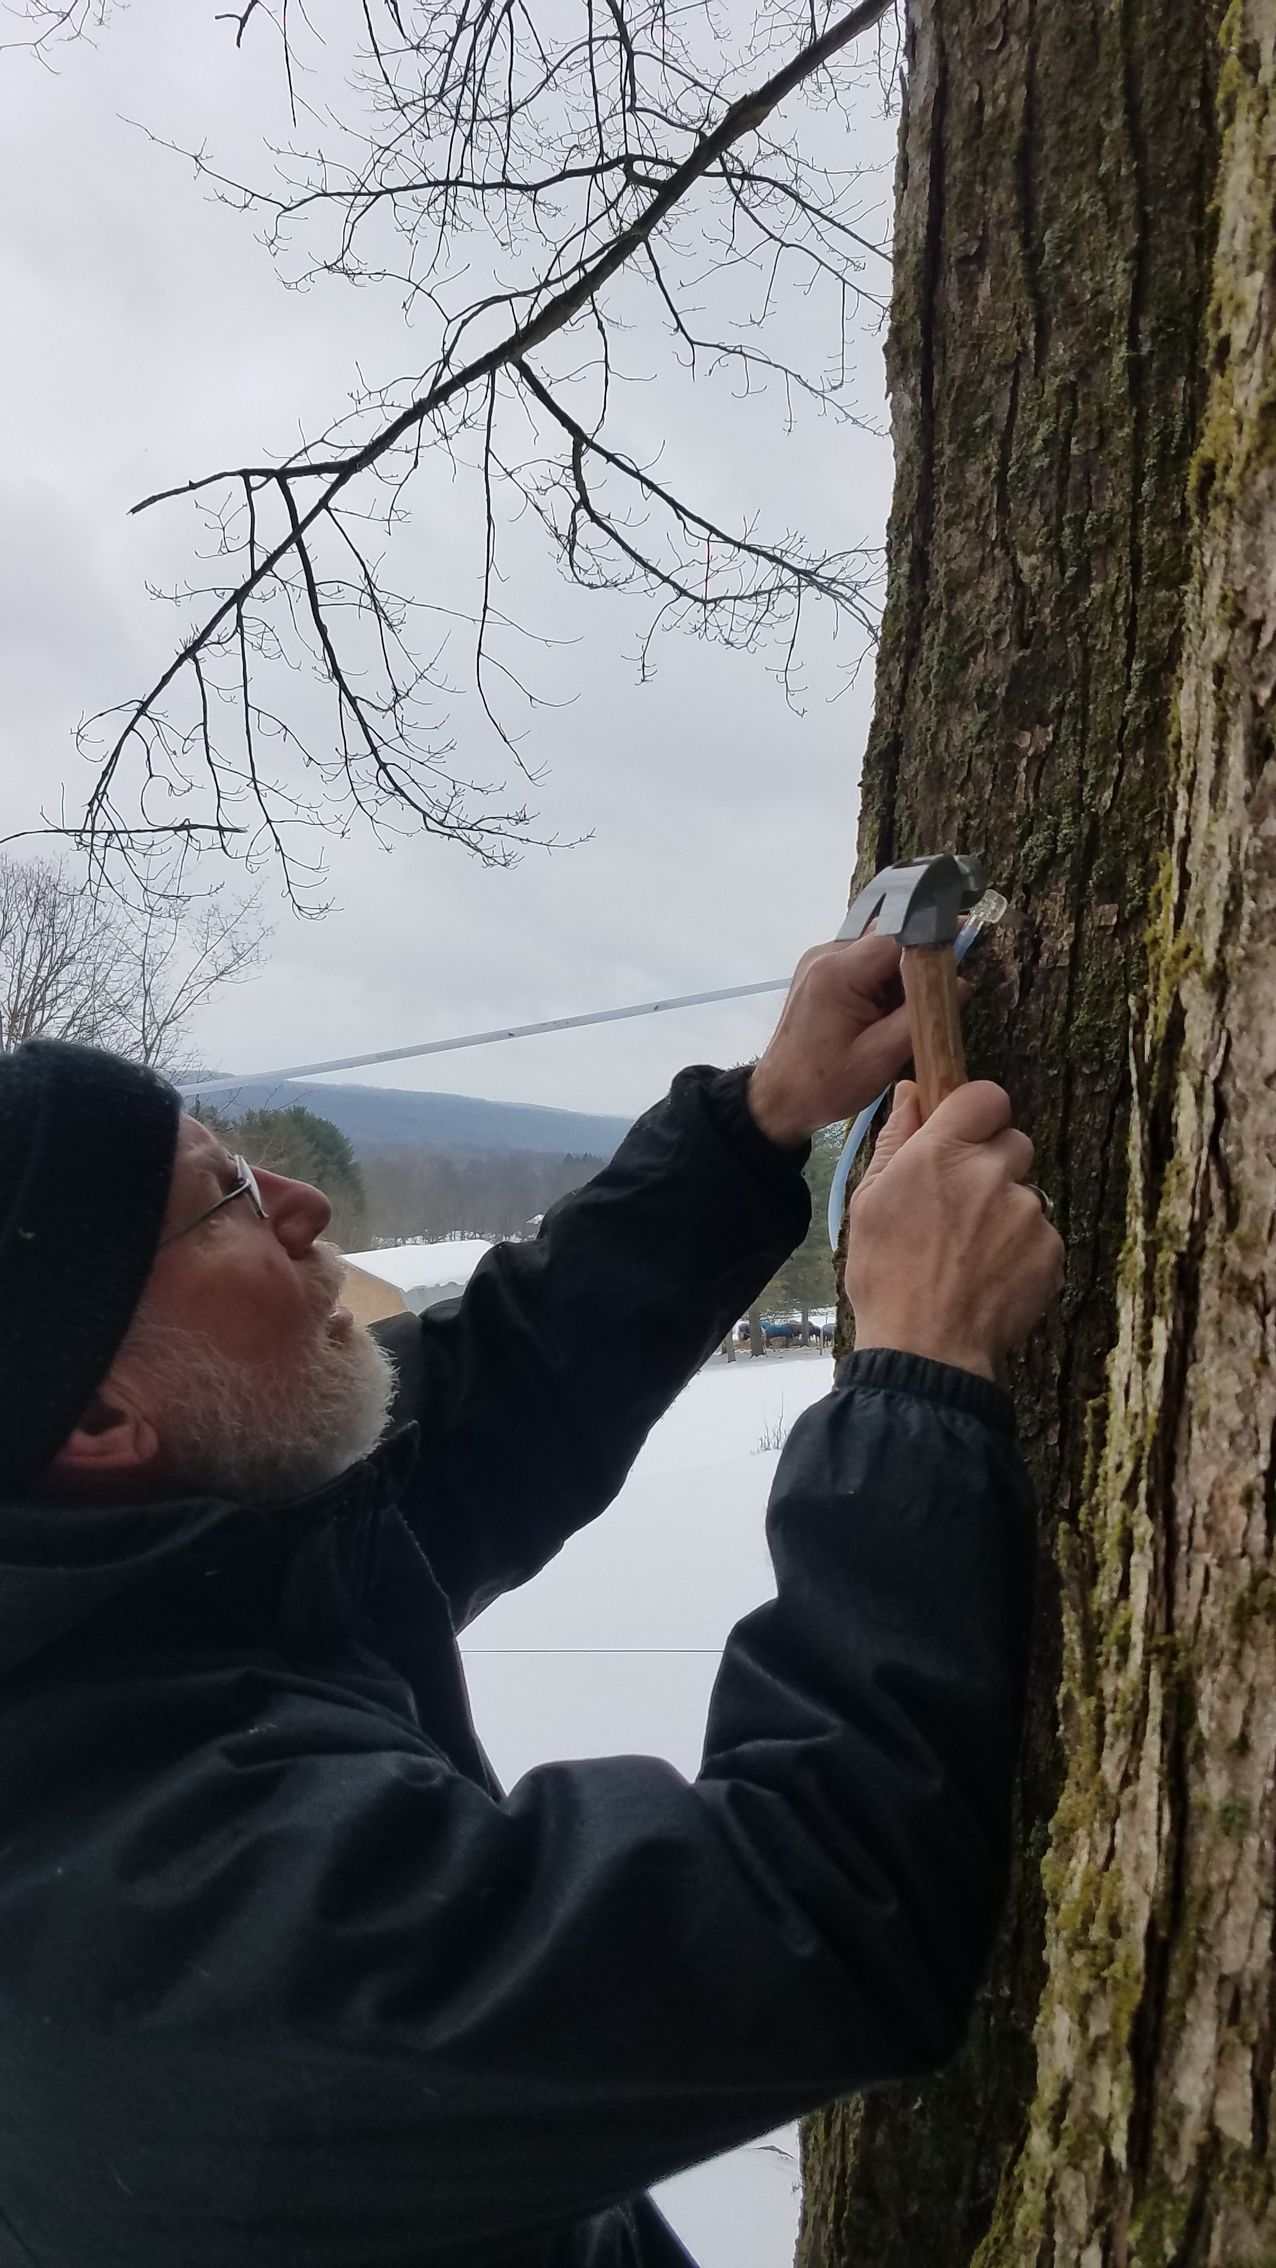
(257, 1383)
(261, 1291)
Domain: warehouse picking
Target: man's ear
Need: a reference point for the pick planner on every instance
(113, 1440)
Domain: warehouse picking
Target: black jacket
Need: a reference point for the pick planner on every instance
(287, 1982)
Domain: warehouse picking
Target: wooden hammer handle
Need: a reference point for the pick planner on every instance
(934, 1016)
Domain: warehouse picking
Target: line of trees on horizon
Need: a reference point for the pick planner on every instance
(433, 1194)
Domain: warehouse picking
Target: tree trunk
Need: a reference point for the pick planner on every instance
(757, 1336)
(1076, 672)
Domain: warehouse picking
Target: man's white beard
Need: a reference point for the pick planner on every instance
(259, 1433)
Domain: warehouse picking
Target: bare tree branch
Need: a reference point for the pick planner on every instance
(48, 23)
(522, 177)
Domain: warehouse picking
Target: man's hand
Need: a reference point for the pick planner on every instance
(949, 1255)
(842, 1036)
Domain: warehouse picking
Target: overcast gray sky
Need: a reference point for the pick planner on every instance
(150, 339)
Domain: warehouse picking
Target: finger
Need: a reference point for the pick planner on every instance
(1013, 1152)
(1059, 1262)
(873, 960)
(859, 974)
(880, 1051)
(974, 1113)
(869, 991)
(904, 1121)
(867, 963)
(1051, 1253)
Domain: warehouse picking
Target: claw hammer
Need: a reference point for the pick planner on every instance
(921, 901)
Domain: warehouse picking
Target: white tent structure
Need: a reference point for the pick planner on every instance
(414, 1276)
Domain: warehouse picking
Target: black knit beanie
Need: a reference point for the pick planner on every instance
(87, 1143)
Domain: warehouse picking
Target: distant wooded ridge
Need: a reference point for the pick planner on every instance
(388, 1118)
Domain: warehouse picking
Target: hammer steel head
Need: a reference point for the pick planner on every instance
(920, 901)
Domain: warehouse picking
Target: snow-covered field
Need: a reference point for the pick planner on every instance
(613, 1650)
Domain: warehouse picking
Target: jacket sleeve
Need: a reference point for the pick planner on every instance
(476, 2021)
(536, 1390)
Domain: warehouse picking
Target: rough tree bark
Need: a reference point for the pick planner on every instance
(1076, 676)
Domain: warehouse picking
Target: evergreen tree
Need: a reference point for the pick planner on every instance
(808, 1277)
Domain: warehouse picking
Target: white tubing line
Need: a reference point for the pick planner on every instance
(224, 1086)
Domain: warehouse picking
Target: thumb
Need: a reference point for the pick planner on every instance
(905, 1120)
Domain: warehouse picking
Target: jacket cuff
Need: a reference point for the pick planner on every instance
(726, 1094)
(894, 1373)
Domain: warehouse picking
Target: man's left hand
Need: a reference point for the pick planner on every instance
(842, 1037)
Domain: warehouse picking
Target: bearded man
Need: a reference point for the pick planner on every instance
(286, 1980)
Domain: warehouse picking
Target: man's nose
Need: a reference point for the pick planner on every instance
(299, 1214)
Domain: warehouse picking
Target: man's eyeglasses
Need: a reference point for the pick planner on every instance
(245, 1186)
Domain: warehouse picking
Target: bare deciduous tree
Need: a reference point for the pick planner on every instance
(419, 1193)
(127, 976)
(543, 192)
